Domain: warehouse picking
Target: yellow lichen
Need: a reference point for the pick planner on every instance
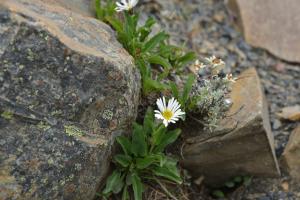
(7, 115)
(73, 131)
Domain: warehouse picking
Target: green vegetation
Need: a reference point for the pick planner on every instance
(154, 57)
(143, 159)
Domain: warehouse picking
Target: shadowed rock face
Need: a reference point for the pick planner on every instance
(242, 144)
(67, 88)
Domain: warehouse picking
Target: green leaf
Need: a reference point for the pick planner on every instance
(237, 179)
(229, 184)
(188, 57)
(187, 89)
(125, 144)
(139, 145)
(129, 25)
(167, 139)
(125, 194)
(168, 172)
(99, 10)
(137, 186)
(142, 163)
(144, 69)
(114, 183)
(247, 180)
(115, 23)
(154, 41)
(148, 121)
(158, 134)
(151, 85)
(174, 90)
(218, 194)
(145, 30)
(123, 160)
(156, 59)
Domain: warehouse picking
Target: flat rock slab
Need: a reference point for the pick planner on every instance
(271, 24)
(242, 145)
(67, 89)
(291, 155)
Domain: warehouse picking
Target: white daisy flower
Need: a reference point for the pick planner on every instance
(198, 65)
(215, 62)
(230, 78)
(126, 5)
(169, 113)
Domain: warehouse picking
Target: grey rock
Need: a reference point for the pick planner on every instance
(258, 20)
(242, 144)
(67, 89)
(84, 7)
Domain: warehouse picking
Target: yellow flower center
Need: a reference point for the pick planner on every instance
(167, 114)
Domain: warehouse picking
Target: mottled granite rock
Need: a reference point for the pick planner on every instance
(242, 145)
(270, 24)
(291, 155)
(67, 88)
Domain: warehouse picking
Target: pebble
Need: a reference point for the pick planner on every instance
(276, 124)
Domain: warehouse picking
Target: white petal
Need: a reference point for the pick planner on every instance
(159, 116)
(165, 123)
(170, 103)
(175, 107)
(157, 111)
(134, 2)
(119, 4)
(164, 103)
(160, 104)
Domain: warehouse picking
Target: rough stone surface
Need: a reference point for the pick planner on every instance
(291, 155)
(271, 24)
(84, 7)
(242, 145)
(67, 88)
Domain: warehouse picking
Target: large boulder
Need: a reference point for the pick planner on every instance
(242, 144)
(291, 155)
(67, 89)
(270, 24)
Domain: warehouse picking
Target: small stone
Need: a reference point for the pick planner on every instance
(243, 143)
(285, 186)
(291, 113)
(276, 124)
(291, 155)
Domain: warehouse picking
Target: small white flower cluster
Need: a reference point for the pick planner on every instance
(126, 5)
(169, 113)
(217, 66)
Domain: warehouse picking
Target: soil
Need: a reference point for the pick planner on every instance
(207, 27)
